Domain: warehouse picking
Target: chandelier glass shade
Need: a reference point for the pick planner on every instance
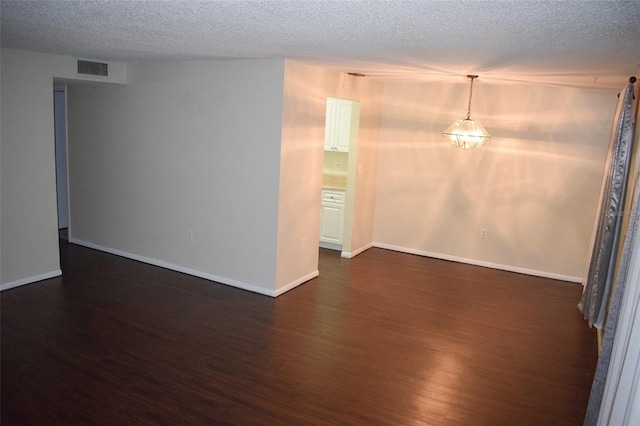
(467, 133)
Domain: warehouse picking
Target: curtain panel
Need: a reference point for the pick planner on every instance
(612, 400)
(610, 215)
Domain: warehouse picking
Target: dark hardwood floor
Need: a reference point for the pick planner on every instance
(385, 338)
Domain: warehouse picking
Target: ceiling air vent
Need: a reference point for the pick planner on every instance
(93, 68)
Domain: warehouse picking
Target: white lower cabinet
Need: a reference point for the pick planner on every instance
(332, 216)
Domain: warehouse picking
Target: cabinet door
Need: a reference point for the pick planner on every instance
(343, 125)
(331, 223)
(330, 125)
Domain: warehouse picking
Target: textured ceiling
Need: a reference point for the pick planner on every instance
(581, 43)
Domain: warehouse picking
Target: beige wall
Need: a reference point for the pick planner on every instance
(184, 146)
(331, 157)
(28, 215)
(300, 177)
(163, 144)
(306, 90)
(534, 185)
(365, 166)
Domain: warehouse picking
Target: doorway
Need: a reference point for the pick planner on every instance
(342, 124)
(60, 130)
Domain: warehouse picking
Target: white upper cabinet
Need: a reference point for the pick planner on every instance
(337, 134)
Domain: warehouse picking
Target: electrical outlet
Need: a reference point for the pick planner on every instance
(337, 165)
(303, 243)
(483, 232)
(189, 236)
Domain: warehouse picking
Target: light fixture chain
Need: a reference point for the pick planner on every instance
(467, 133)
(470, 95)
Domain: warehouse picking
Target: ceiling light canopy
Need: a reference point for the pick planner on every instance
(467, 133)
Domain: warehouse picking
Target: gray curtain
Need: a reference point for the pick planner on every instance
(604, 250)
(611, 326)
(624, 126)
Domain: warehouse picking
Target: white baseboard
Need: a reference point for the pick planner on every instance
(349, 255)
(188, 271)
(30, 280)
(296, 283)
(330, 246)
(480, 263)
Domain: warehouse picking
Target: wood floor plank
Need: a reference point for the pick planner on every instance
(384, 338)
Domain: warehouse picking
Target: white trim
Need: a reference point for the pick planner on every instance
(349, 255)
(330, 246)
(480, 263)
(66, 149)
(295, 283)
(173, 267)
(30, 280)
(621, 401)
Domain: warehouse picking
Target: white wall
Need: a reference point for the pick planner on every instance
(161, 156)
(29, 230)
(534, 185)
(169, 140)
(185, 146)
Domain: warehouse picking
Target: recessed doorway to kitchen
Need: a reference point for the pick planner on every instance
(339, 173)
(60, 127)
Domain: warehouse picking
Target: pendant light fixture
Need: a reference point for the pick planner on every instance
(467, 133)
